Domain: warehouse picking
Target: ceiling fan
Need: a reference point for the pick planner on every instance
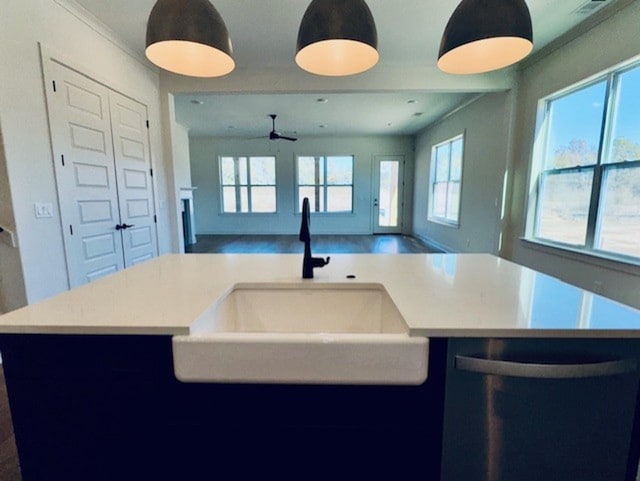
(273, 135)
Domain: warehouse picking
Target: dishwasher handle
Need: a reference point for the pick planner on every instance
(543, 370)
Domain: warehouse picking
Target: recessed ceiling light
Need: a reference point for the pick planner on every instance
(196, 102)
(322, 101)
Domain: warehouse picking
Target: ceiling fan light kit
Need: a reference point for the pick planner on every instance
(485, 35)
(189, 37)
(337, 38)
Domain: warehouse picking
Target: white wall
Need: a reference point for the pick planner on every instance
(205, 176)
(612, 41)
(12, 292)
(60, 28)
(485, 124)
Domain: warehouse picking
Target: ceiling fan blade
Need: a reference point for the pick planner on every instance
(287, 138)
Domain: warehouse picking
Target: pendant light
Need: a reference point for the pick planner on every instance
(485, 35)
(337, 38)
(189, 37)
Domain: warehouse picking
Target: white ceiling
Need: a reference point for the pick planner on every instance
(266, 80)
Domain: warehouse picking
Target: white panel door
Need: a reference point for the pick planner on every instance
(79, 120)
(133, 173)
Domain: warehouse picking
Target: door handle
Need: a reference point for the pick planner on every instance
(123, 226)
(545, 371)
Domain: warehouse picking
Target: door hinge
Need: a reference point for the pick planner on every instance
(70, 229)
(54, 86)
(151, 172)
(62, 157)
(147, 124)
(155, 218)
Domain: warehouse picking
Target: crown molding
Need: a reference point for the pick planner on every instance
(583, 27)
(101, 29)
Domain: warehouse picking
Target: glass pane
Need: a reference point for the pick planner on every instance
(453, 201)
(242, 171)
(456, 160)
(244, 199)
(340, 170)
(263, 199)
(339, 199)
(227, 174)
(626, 123)
(228, 199)
(439, 200)
(263, 170)
(619, 219)
(575, 126)
(316, 202)
(563, 207)
(310, 170)
(388, 194)
(442, 163)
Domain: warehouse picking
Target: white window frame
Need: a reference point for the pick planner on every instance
(600, 169)
(322, 188)
(432, 183)
(238, 186)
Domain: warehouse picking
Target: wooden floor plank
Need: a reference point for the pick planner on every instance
(325, 244)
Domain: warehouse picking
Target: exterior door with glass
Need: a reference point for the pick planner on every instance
(388, 194)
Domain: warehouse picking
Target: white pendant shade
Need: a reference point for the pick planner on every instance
(485, 55)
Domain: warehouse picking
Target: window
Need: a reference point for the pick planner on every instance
(587, 167)
(327, 182)
(248, 184)
(446, 181)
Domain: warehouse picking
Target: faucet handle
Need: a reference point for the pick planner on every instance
(319, 261)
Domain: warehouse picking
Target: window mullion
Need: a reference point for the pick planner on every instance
(249, 201)
(316, 182)
(596, 187)
(446, 200)
(236, 180)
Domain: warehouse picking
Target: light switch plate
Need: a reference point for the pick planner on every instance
(43, 210)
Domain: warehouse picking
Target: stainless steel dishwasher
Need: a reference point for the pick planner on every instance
(541, 409)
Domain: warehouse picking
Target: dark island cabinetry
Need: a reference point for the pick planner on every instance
(109, 408)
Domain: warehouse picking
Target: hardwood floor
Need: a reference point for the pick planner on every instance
(325, 244)
(9, 465)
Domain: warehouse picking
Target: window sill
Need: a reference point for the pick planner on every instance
(329, 214)
(243, 214)
(599, 259)
(444, 222)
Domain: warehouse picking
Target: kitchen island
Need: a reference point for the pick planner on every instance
(94, 396)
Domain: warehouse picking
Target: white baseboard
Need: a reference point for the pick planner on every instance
(435, 245)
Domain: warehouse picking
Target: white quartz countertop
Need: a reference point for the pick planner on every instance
(439, 295)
